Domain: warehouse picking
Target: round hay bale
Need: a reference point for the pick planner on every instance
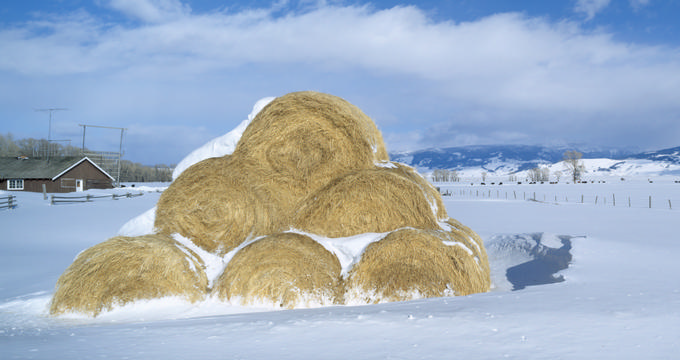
(431, 193)
(124, 269)
(287, 269)
(308, 138)
(376, 200)
(218, 203)
(411, 263)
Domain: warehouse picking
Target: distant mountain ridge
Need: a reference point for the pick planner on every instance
(511, 158)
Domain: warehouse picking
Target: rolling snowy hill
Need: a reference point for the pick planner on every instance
(503, 160)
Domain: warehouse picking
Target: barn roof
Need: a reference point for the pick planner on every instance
(15, 168)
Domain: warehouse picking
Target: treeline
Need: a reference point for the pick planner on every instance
(136, 172)
(34, 147)
(129, 171)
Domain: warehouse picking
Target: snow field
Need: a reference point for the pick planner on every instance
(619, 298)
(664, 192)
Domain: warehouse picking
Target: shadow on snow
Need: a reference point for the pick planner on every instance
(521, 260)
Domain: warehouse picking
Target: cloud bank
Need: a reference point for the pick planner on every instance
(499, 77)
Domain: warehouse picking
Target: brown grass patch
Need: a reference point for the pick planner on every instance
(376, 200)
(307, 139)
(218, 203)
(285, 268)
(412, 263)
(124, 269)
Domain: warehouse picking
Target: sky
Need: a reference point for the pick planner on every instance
(175, 74)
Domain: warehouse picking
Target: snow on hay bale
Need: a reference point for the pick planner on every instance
(218, 203)
(375, 200)
(286, 269)
(309, 138)
(462, 233)
(124, 269)
(413, 263)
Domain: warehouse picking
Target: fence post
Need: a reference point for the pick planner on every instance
(670, 206)
(515, 194)
(10, 204)
(614, 199)
(52, 199)
(87, 197)
(595, 199)
(628, 201)
(650, 201)
(581, 198)
(44, 187)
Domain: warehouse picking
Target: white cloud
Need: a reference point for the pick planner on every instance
(591, 7)
(152, 11)
(637, 4)
(511, 68)
(505, 59)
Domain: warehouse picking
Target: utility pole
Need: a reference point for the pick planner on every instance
(49, 129)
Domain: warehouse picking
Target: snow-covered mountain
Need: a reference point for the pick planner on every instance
(507, 159)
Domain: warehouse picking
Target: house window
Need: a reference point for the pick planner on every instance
(15, 184)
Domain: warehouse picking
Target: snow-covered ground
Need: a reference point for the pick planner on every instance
(619, 298)
(594, 170)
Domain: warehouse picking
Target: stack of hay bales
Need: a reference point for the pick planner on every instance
(315, 163)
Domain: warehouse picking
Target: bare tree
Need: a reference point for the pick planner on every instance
(557, 174)
(574, 165)
(454, 176)
(539, 174)
(440, 175)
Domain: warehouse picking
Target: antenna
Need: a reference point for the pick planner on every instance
(109, 160)
(49, 130)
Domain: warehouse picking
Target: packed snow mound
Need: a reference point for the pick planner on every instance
(222, 145)
(245, 222)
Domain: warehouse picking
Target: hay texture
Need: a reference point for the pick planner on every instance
(286, 269)
(307, 139)
(219, 203)
(124, 269)
(375, 200)
(431, 193)
(461, 233)
(412, 263)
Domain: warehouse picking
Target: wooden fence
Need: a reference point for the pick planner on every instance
(54, 199)
(8, 202)
(540, 196)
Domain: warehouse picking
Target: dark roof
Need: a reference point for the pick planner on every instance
(14, 168)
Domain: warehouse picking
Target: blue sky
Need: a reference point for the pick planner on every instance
(430, 73)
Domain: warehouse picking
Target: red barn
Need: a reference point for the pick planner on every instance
(58, 174)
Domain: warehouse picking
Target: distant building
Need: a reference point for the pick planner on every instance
(58, 174)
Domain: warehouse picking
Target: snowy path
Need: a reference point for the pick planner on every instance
(620, 298)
